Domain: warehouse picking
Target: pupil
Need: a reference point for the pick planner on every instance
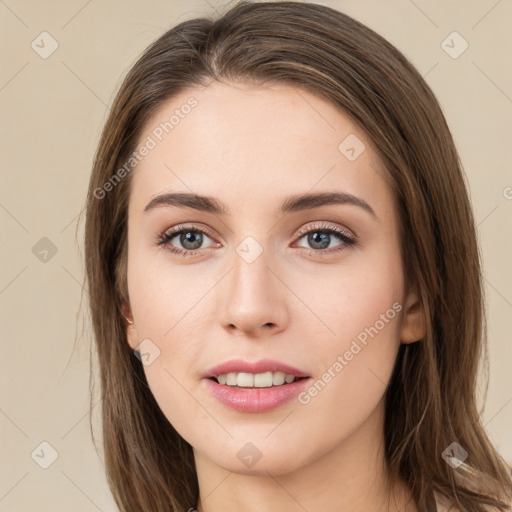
(188, 238)
(313, 238)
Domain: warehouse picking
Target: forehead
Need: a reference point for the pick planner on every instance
(254, 143)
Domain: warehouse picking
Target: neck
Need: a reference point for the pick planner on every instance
(350, 477)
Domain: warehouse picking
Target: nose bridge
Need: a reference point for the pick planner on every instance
(252, 298)
(251, 274)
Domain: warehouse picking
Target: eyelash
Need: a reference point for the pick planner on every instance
(164, 238)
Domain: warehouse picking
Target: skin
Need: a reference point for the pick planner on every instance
(251, 147)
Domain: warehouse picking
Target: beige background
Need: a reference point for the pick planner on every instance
(52, 111)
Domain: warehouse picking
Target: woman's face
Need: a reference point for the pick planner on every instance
(268, 277)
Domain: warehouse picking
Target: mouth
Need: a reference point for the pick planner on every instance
(255, 387)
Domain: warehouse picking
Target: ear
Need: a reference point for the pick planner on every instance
(131, 331)
(414, 324)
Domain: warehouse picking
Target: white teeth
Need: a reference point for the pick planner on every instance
(231, 379)
(245, 380)
(278, 378)
(263, 380)
(255, 380)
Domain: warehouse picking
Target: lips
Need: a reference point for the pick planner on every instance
(254, 399)
(261, 366)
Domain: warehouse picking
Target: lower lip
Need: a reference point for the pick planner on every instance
(255, 399)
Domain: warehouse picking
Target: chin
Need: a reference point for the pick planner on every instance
(260, 456)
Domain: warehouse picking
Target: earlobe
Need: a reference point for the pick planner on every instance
(414, 325)
(127, 312)
(131, 332)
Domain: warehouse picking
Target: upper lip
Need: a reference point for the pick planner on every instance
(261, 366)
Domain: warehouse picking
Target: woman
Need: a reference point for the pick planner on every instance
(284, 277)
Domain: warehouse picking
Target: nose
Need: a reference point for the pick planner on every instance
(253, 299)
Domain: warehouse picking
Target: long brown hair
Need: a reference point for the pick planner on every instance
(430, 400)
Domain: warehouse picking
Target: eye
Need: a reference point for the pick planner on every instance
(190, 238)
(320, 236)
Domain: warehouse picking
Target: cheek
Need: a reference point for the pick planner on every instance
(162, 295)
(348, 301)
(167, 317)
(166, 301)
(357, 355)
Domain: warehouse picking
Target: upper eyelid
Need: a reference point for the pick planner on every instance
(325, 226)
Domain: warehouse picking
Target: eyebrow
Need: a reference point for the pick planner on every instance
(295, 203)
